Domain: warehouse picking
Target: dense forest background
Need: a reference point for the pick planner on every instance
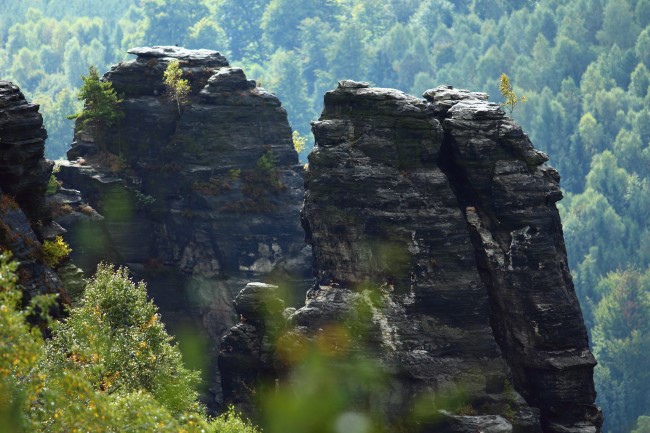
(584, 66)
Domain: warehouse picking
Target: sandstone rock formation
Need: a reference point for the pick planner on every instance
(439, 217)
(197, 202)
(24, 174)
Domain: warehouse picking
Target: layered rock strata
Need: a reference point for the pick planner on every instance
(439, 215)
(24, 175)
(199, 198)
(24, 172)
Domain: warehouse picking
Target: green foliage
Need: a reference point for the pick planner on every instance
(177, 86)
(143, 201)
(101, 104)
(299, 141)
(116, 341)
(266, 176)
(511, 98)
(231, 422)
(54, 251)
(266, 163)
(621, 344)
(20, 348)
(234, 173)
(97, 373)
(53, 185)
(642, 425)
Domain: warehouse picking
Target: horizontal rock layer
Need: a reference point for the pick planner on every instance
(24, 172)
(24, 175)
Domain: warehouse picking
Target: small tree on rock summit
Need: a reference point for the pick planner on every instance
(512, 100)
(178, 87)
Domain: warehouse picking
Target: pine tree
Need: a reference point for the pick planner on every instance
(101, 104)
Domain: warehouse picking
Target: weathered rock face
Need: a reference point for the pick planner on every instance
(509, 197)
(24, 174)
(198, 201)
(440, 216)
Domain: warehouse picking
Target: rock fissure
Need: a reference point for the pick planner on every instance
(522, 262)
(444, 204)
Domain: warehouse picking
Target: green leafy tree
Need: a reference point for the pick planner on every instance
(241, 23)
(97, 373)
(299, 142)
(621, 345)
(591, 134)
(116, 341)
(101, 104)
(640, 81)
(643, 423)
(177, 86)
(619, 27)
(168, 22)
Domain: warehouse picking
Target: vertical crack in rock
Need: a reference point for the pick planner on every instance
(508, 196)
(382, 218)
(440, 217)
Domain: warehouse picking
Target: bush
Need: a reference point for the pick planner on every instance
(299, 142)
(511, 98)
(116, 340)
(53, 185)
(110, 367)
(55, 251)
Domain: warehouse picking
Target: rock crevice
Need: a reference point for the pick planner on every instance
(441, 210)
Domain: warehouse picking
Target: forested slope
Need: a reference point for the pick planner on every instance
(583, 65)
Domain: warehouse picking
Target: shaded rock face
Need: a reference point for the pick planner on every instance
(24, 174)
(440, 215)
(197, 202)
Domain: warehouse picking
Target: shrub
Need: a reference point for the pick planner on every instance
(143, 201)
(116, 340)
(110, 367)
(53, 185)
(55, 251)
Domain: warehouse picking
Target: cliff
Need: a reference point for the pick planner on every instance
(24, 175)
(438, 216)
(196, 201)
(24, 172)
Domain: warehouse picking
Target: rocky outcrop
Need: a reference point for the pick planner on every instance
(24, 175)
(197, 201)
(437, 216)
(509, 197)
(24, 172)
